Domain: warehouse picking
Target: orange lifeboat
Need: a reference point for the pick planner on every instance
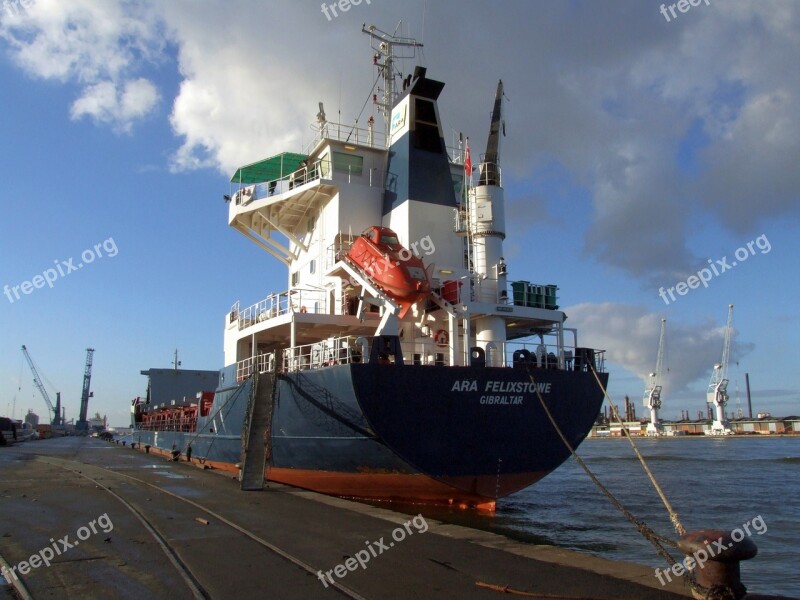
(392, 266)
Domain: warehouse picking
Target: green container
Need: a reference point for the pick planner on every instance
(550, 297)
(519, 289)
(534, 295)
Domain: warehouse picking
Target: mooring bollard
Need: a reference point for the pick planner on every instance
(123, 443)
(176, 455)
(717, 576)
(147, 449)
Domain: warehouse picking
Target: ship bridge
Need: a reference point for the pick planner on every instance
(276, 195)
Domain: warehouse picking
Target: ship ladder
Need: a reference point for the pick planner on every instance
(257, 431)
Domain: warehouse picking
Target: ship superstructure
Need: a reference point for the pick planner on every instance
(306, 210)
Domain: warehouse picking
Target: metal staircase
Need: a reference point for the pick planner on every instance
(257, 431)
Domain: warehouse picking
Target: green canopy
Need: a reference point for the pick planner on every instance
(269, 169)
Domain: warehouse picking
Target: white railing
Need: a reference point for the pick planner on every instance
(261, 363)
(517, 293)
(351, 349)
(243, 194)
(543, 355)
(488, 173)
(342, 132)
(338, 249)
(325, 353)
(455, 154)
(275, 305)
(425, 352)
(371, 137)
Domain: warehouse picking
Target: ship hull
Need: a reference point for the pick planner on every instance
(455, 435)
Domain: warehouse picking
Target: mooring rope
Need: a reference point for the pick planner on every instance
(654, 538)
(210, 421)
(673, 515)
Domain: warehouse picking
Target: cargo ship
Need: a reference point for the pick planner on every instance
(402, 363)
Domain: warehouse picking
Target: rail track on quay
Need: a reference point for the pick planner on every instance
(142, 500)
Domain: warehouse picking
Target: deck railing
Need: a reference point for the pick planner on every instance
(517, 293)
(342, 132)
(242, 194)
(261, 363)
(169, 420)
(245, 194)
(275, 305)
(332, 351)
(371, 137)
(422, 352)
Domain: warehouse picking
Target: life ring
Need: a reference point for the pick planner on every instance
(441, 338)
(303, 309)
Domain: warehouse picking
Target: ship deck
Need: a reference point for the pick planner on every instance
(58, 487)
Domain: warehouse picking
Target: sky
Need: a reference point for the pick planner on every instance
(642, 147)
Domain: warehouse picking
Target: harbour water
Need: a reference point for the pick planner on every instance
(719, 483)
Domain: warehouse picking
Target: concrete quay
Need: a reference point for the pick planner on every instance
(118, 525)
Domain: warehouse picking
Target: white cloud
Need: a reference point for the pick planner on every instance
(105, 103)
(612, 103)
(629, 334)
(96, 45)
(250, 86)
(752, 170)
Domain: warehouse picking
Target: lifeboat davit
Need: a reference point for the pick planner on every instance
(398, 271)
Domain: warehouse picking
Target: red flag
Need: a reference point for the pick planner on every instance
(467, 161)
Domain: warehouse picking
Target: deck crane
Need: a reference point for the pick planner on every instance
(82, 425)
(57, 419)
(652, 393)
(717, 394)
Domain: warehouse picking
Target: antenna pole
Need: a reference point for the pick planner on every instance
(385, 45)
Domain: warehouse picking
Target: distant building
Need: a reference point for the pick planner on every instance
(685, 427)
(763, 424)
(633, 427)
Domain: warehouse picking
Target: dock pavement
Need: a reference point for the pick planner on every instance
(85, 518)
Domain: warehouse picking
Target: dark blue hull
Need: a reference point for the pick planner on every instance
(414, 433)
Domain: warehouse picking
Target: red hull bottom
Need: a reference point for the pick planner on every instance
(392, 487)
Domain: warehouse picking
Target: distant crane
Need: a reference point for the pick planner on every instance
(717, 394)
(652, 393)
(55, 411)
(82, 425)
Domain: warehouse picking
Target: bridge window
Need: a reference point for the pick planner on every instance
(348, 163)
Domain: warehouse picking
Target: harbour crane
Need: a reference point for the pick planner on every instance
(652, 393)
(55, 411)
(82, 425)
(717, 394)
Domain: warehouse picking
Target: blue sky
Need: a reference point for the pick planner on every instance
(637, 150)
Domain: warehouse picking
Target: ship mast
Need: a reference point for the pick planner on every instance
(487, 223)
(386, 54)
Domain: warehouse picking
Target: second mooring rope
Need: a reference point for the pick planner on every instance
(673, 515)
(653, 537)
